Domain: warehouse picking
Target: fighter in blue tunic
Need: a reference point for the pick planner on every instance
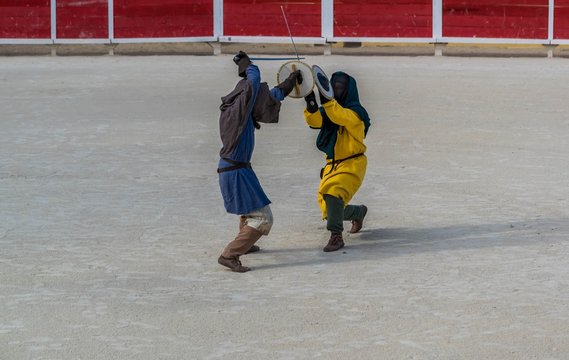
(250, 103)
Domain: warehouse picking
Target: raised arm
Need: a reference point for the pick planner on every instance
(254, 77)
(340, 115)
(282, 90)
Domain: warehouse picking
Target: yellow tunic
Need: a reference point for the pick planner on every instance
(345, 179)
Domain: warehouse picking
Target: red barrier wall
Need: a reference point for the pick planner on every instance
(163, 18)
(383, 18)
(87, 19)
(561, 19)
(82, 19)
(517, 19)
(25, 19)
(265, 18)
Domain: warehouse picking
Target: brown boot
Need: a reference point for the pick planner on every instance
(358, 224)
(336, 242)
(253, 249)
(233, 263)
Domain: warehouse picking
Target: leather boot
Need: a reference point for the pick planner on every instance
(336, 242)
(233, 263)
(359, 223)
(243, 242)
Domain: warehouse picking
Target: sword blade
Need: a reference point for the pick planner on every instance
(277, 58)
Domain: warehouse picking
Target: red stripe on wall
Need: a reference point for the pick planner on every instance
(265, 18)
(79, 19)
(561, 19)
(25, 19)
(163, 18)
(383, 18)
(518, 19)
(25, 3)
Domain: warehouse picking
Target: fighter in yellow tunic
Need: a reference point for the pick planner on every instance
(343, 124)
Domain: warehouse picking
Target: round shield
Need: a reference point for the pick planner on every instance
(322, 82)
(300, 90)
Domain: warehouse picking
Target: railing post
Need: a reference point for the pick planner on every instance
(217, 25)
(437, 26)
(551, 19)
(437, 20)
(327, 24)
(551, 29)
(111, 25)
(111, 15)
(53, 17)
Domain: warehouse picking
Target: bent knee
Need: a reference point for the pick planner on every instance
(262, 220)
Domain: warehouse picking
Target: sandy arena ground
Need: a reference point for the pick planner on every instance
(111, 220)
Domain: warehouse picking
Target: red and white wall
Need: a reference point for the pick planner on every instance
(115, 21)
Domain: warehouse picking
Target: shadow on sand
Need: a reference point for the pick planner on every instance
(378, 243)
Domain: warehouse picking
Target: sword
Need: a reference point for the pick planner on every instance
(291, 39)
(277, 58)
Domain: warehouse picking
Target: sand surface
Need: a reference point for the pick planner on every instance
(111, 220)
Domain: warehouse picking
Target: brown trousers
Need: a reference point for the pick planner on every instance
(246, 238)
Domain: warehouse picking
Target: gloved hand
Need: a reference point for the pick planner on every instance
(242, 61)
(288, 84)
(311, 104)
(298, 76)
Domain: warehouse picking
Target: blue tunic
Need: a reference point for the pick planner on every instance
(242, 193)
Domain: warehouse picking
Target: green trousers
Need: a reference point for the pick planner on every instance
(338, 213)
